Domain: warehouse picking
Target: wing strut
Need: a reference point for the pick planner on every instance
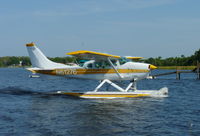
(115, 68)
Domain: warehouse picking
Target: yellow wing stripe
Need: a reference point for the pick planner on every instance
(97, 53)
(91, 52)
(134, 57)
(30, 44)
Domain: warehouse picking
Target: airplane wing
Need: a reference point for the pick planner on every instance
(96, 55)
(133, 58)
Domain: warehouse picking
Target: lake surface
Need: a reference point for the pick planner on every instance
(28, 107)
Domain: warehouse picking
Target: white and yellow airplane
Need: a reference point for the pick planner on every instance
(99, 66)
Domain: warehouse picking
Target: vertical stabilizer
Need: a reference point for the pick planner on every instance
(39, 60)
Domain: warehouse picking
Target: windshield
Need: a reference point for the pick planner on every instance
(123, 60)
(81, 62)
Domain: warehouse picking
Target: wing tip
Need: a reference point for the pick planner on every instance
(30, 44)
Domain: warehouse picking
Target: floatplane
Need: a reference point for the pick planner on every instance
(99, 66)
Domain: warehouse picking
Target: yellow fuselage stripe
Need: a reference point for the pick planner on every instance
(88, 71)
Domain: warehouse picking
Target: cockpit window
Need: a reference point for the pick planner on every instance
(114, 62)
(81, 62)
(99, 65)
(90, 65)
(104, 64)
(123, 60)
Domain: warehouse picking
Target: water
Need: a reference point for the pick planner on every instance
(28, 107)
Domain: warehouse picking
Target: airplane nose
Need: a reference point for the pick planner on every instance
(152, 67)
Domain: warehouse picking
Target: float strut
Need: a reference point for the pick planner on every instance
(131, 85)
(134, 85)
(109, 82)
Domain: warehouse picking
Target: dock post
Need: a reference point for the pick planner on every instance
(178, 74)
(198, 70)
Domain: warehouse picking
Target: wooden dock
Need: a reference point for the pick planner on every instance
(178, 72)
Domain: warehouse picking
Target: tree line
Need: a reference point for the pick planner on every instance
(13, 61)
(175, 61)
(158, 61)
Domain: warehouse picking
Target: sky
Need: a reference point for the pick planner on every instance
(146, 28)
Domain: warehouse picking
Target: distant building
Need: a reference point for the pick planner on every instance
(20, 63)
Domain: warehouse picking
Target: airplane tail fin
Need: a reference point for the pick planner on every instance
(39, 60)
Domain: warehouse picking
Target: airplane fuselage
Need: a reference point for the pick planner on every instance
(103, 66)
(127, 71)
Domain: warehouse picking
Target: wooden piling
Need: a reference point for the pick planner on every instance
(198, 70)
(178, 74)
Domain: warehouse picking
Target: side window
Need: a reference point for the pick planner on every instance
(90, 65)
(98, 65)
(114, 62)
(107, 64)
